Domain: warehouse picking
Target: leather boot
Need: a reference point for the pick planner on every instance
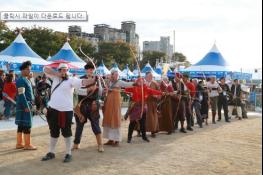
(19, 140)
(28, 145)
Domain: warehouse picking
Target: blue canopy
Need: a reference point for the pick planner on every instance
(148, 68)
(102, 70)
(159, 69)
(66, 53)
(18, 52)
(116, 68)
(128, 74)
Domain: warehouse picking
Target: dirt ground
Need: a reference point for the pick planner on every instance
(225, 148)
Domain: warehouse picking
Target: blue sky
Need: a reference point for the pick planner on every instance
(234, 24)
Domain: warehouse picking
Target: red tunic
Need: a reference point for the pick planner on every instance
(191, 87)
(137, 92)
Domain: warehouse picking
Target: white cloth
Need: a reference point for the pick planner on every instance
(68, 143)
(112, 134)
(230, 110)
(52, 145)
(213, 93)
(62, 98)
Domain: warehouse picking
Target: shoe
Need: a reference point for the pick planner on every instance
(75, 147)
(129, 141)
(110, 142)
(218, 120)
(189, 129)
(169, 133)
(239, 118)
(213, 122)
(28, 145)
(49, 156)
(19, 144)
(116, 144)
(146, 139)
(100, 148)
(227, 121)
(183, 130)
(68, 158)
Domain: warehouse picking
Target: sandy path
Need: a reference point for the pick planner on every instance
(234, 148)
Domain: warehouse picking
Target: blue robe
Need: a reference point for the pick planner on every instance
(24, 100)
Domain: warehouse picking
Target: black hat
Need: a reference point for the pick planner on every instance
(89, 65)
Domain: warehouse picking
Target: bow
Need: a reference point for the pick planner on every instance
(92, 62)
(139, 73)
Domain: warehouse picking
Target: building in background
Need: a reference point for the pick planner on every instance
(160, 46)
(103, 32)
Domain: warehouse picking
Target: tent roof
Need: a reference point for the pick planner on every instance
(66, 53)
(18, 51)
(102, 70)
(213, 57)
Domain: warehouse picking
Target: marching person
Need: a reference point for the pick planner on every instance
(222, 99)
(88, 98)
(214, 90)
(151, 115)
(112, 110)
(24, 102)
(137, 113)
(235, 99)
(60, 111)
(204, 102)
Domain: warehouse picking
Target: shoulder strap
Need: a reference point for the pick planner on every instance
(57, 86)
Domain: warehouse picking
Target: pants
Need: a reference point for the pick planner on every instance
(213, 104)
(54, 126)
(95, 126)
(179, 114)
(239, 110)
(8, 106)
(24, 129)
(197, 108)
(188, 113)
(244, 109)
(222, 103)
(142, 127)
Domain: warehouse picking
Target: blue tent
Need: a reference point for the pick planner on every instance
(128, 74)
(148, 68)
(116, 68)
(102, 70)
(17, 52)
(213, 64)
(159, 69)
(66, 53)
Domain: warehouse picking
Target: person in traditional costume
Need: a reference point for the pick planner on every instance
(197, 99)
(112, 110)
(204, 102)
(214, 90)
(24, 103)
(235, 99)
(222, 100)
(88, 99)
(179, 102)
(137, 114)
(60, 110)
(152, 115)
(166, 119)
(189, 93)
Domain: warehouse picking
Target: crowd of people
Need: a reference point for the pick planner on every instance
(154, 106)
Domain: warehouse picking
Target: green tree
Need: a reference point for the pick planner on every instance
(115, 52)
(179, 57)
(151, 56)
(6, 36)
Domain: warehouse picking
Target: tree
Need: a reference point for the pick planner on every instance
(115, 52)
(179, 57)
(151, 56)
(6, 36)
